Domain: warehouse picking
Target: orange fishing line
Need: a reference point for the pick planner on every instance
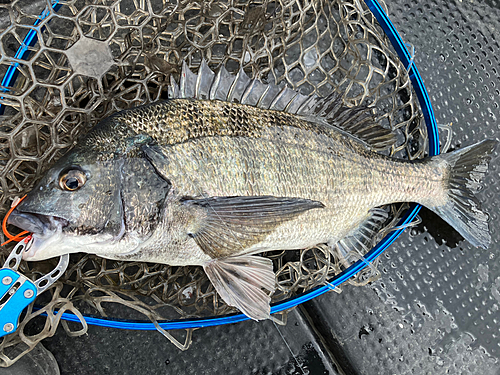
(11, 237)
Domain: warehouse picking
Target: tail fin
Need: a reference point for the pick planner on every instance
(462, 210)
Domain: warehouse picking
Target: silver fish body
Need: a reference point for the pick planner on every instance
(212, 183)
(282, 161)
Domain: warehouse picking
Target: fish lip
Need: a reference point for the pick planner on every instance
(40, 224)
(46, 229)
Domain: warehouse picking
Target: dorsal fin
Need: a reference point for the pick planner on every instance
(358, 121)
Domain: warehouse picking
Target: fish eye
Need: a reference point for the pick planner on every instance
(72, 180)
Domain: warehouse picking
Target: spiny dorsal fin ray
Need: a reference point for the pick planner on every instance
(238, 87)
(187, 85)
(254, 92)
(204, 82)
(358, 121)
(222, 84)
(173, 89)
(284, 97)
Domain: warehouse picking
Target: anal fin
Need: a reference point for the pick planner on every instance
(241, 281)
(356, 244)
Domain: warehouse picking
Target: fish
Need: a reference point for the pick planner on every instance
(229, 167)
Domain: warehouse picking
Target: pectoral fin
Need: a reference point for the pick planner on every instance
(228, 225)
(240, 282)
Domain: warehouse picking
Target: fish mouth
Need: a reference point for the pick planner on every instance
(54, 236)
(46, 229)
(39, 224)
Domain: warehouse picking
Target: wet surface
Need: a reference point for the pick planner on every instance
(245, 348)
(435, 308)
(39, 361)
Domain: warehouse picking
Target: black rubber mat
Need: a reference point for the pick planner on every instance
(436, 308)
(245, 348)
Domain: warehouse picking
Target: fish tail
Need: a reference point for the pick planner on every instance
(462, 210)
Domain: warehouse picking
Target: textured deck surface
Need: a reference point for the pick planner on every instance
(436, 307)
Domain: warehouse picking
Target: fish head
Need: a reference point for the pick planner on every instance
(81, 203)
(75, 206)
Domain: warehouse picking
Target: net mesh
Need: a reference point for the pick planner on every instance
(94, 58)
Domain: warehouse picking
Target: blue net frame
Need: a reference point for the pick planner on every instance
(406, 58)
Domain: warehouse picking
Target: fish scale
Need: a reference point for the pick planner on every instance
(213, 183)
(279, 164)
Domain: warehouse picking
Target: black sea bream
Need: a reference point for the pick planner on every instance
(229, 168)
